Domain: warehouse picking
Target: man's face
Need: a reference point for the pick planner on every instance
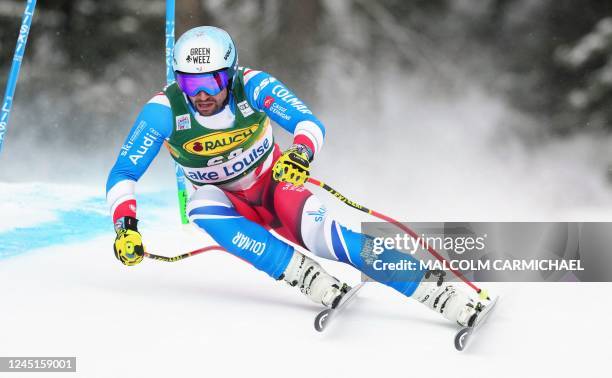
(208, 105)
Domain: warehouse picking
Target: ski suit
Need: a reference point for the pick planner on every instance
(228, 156)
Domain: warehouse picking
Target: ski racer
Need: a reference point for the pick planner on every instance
(215, 122)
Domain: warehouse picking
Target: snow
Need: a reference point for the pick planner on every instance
(36, 204)
(421, 144)
(439, 159)
(213, 315)
(40, 214)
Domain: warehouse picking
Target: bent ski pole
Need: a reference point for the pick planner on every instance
(483, 294)
(184, 255)
(22, 39)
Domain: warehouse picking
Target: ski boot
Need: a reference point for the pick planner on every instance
(314, 281)
(448, 300)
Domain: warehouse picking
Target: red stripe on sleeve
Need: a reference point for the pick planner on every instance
(303, 139)
(126, 209)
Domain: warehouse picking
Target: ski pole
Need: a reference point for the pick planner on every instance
(483, 294)
(7, 103)
(180, 176)
(184, 255)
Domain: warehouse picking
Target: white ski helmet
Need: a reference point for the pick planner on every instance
(205, 49)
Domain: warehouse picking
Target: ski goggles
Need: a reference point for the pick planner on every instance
(212, 83)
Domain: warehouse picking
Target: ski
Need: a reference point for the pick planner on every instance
(463, 337)
(324, 317)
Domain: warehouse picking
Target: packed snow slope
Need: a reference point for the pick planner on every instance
(214, 315)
